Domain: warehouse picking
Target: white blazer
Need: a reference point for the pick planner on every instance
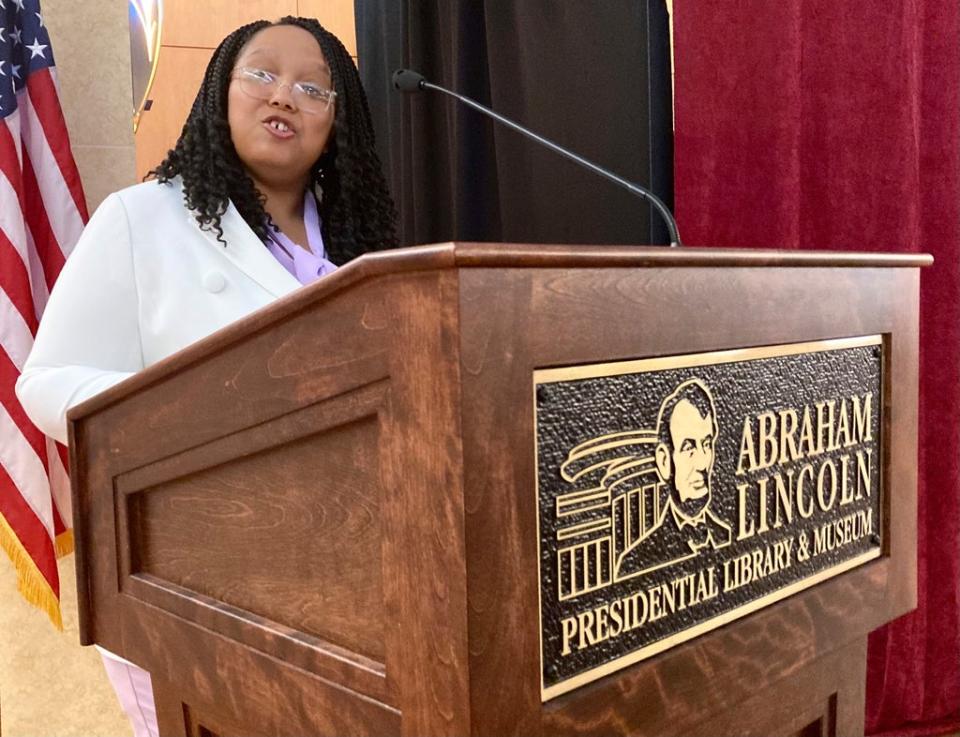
(144, 281)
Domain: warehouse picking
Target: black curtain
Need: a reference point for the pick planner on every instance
(591, 76)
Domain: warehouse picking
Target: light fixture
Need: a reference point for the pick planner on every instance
(146, 25)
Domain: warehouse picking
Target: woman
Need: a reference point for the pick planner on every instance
(273, 183)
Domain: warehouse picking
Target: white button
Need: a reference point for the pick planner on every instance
(214, 281)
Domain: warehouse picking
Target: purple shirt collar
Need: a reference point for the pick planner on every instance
(305, 266)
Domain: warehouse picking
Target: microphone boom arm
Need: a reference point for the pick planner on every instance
(636, 189)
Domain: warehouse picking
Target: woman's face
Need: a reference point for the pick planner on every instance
(277, 141)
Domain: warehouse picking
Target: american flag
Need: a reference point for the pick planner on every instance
(42, 211)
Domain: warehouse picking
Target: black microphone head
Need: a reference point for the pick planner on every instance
(407, 80)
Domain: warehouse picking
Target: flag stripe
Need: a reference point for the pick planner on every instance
(15, 336)
(17, 283)
(33, 536)
(59, 484)
(48, 250)
(64, 456)
(58, 527)
(20, 469)
(45, 102)
(11, 219)
(9, 402)
(11, 191)
(23, 465)
(55, 196)
(11, 222)
(38, 279)
(10, 149)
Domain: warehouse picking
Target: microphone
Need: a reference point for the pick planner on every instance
(407, 80)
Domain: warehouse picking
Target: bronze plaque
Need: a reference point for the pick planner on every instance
(678, 494)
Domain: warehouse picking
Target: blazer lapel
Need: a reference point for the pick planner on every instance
(248, 253)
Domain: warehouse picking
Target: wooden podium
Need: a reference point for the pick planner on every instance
(324, 518)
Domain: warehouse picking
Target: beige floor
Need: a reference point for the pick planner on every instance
(49, 685)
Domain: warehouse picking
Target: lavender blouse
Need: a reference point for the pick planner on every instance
(305, 266)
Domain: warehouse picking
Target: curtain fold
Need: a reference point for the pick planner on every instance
(822, 125)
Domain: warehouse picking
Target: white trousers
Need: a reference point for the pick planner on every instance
(135, 692)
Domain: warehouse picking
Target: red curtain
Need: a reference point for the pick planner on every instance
(828, 124)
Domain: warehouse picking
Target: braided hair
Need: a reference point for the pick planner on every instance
(357, 213)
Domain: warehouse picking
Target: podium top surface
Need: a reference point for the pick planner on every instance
(545, 255)
(538, 255)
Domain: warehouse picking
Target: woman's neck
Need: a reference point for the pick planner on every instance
(284, 205)
(282, 202)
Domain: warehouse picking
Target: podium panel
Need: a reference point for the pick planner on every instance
(495, 489)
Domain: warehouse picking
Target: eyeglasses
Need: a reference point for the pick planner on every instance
(263, 85)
